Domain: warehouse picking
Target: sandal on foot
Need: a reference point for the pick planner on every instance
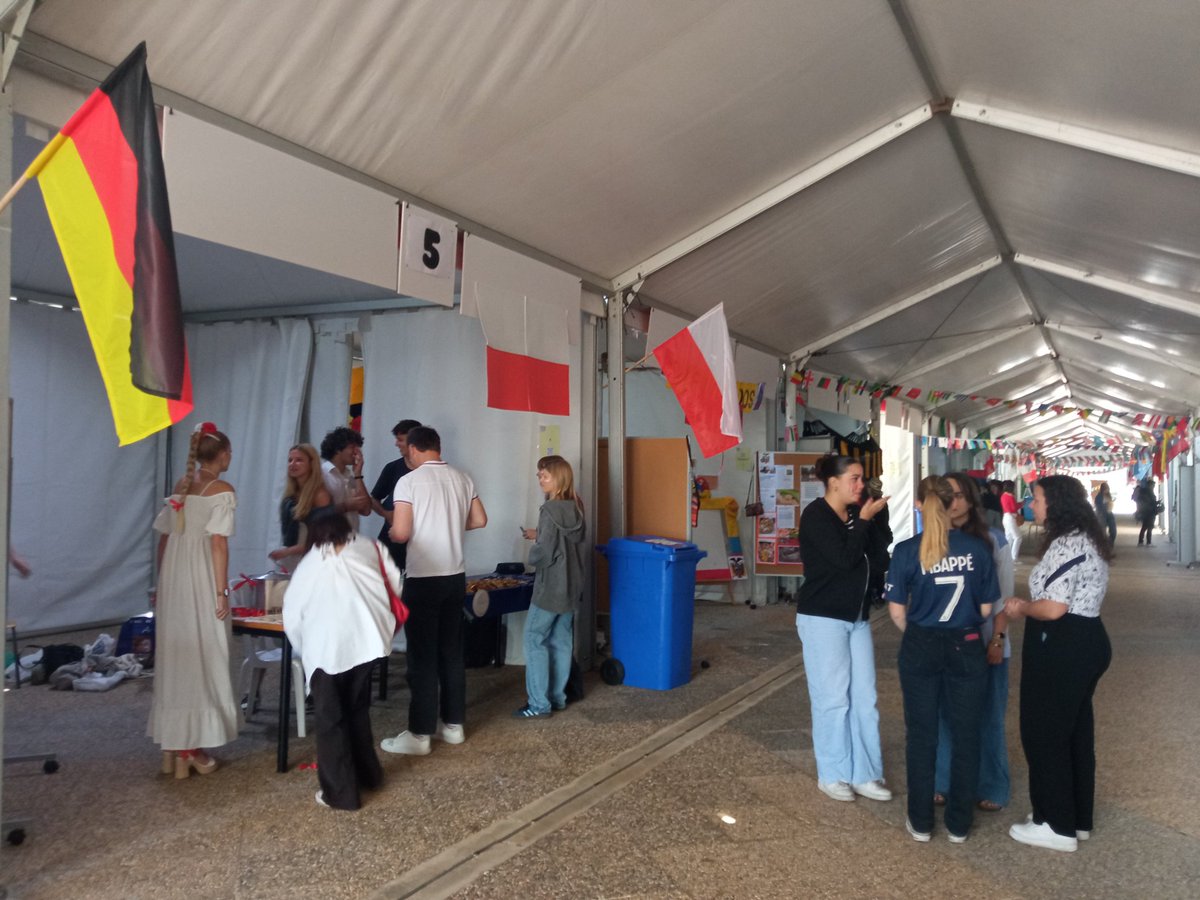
(939, 799)
(989, 806)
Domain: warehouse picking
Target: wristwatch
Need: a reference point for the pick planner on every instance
(224, 592)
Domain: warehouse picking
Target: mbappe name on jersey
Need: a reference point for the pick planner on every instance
(952, 564)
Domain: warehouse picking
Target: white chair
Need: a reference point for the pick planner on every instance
(261, 654)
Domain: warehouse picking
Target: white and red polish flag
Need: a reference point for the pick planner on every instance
(528, 353)
(698, 365)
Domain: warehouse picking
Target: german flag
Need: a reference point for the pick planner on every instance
(106, 192)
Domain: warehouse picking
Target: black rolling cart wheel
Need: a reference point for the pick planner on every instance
(612, 671)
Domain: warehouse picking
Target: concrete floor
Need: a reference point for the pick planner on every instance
(621, 795)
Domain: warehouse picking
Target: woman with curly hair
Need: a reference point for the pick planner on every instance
(1065, 651)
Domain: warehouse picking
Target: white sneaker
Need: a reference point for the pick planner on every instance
(838, 790)
(872, 790)
(1081, 835)
(956, 838)
(408, 743)
(921, 837)
(321, 799)
(1042, 836)
(451, 734)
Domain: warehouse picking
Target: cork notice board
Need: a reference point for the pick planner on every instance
(787, 483)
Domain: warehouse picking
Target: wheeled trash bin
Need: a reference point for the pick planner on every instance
(652, 587)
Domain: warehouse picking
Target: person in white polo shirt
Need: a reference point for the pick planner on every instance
(434, 506)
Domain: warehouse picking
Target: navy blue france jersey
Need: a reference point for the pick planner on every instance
(948, 596)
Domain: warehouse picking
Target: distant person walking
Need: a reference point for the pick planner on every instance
(1147, 510)
(1104, 512)
(1012, 522)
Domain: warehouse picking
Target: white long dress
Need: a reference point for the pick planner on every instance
(193, 694)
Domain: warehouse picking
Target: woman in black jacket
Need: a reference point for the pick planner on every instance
(836, 541)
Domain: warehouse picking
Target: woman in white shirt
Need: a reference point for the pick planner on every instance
(339, 619)
(1065, 651)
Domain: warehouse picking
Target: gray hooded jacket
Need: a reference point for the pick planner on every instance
(557, 557)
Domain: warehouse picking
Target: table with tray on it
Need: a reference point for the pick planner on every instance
(491, 597)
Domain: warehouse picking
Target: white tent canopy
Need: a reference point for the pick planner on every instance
(1036, 236)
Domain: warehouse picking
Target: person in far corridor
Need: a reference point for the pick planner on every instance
(435, 505)
(1064, 653)
(1104, 512)
(385, 488)
(832, 621)
(1147, 510)
(1012, 517)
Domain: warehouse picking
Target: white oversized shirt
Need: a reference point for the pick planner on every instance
(336, 611)
(340, 487)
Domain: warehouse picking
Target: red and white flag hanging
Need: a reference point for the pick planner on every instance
(698, 365)
(528, 353)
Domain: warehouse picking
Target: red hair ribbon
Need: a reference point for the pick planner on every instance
(207, 428)
(246, 579)
(176, 505)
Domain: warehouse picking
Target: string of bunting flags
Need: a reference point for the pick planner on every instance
(806, 378)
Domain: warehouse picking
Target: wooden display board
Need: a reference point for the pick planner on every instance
(658, 496)
(787, 482)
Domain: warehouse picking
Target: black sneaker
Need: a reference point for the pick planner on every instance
(528, 712)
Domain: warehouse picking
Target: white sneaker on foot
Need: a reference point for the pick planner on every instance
(921, 837)
(1042, 836)
(321, 799)
(451, 734)
(872, 790)
(1082, 835)
(838, 790)
(408, 743)
(956, 838)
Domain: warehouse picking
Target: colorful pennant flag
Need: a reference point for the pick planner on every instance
(105, 189)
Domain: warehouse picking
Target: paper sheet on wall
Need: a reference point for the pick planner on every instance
(744, 459)
(809, 491)
(549, 441)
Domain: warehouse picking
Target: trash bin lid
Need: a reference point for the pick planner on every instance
(649, 545)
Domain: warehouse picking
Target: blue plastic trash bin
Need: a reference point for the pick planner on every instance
(652, 587)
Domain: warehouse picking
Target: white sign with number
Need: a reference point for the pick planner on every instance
(428, 251)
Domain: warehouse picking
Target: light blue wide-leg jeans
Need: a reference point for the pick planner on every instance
(839, 662)
(548, 643)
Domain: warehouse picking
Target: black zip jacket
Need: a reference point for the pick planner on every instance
(836, 568)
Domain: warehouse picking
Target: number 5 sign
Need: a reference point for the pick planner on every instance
(428, 247)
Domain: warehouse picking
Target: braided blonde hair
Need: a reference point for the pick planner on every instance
(206, 445)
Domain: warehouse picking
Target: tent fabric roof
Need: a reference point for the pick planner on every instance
(1002, 198)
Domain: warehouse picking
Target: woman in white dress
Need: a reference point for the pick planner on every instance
(193, 694)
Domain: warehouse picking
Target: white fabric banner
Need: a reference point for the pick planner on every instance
(81, 505)
(497, 448)
(249, 378)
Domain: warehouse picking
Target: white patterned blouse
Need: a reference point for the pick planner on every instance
(1071, 572)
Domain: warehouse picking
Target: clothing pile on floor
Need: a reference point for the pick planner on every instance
(96, 670)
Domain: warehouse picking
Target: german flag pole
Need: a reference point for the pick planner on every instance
(104, 184)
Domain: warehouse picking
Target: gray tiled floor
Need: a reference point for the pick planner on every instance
(108, 826)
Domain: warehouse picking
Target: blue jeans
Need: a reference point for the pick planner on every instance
(839, 663)
(942, 667)
(993, 747)
(548, 642)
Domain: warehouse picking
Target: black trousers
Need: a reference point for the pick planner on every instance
(437, 680)
(346, 759)
(942, 670)
(1061, 663)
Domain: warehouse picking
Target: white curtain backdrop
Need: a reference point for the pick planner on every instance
(429, 365)
(328, 399)
(81, 505)
(249, 378)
